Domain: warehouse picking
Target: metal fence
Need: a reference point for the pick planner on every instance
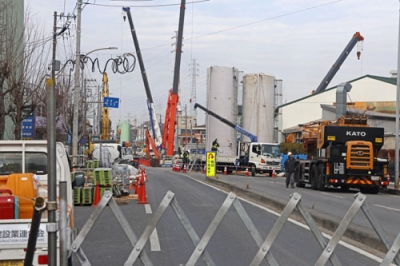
(264, 252)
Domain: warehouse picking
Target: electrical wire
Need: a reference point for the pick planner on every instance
(178, 4)
(271, 18)
(120, 65)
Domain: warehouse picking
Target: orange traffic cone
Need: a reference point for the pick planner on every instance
(97, 197)
(225, 171)
(204, 169)
(246, 173)
(130, 185)
(273, 174)
(142, 197)
(136, 185)
(184, 169)
(144, 175)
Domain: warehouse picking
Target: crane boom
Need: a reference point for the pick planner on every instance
(150, 104)
(252, 137)
(173, 97)
(334, 69)
(105, 121)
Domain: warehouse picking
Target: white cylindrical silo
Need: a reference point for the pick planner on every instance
(222, 100)
(258, 106)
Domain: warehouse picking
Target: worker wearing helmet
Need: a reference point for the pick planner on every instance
(185, 159)
(215, 145)
(290, 168)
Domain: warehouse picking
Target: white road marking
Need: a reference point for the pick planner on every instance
(147, 209)
(389, 208)
(154, 240)
(349, 246)
(331, 195)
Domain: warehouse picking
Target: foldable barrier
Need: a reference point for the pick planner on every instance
(196, 165)
(264, 253)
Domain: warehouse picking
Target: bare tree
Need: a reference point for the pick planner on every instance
(22, 67)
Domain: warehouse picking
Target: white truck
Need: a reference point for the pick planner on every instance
(256, 157)
(27, 160)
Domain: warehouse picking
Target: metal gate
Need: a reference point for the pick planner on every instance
(264, 253)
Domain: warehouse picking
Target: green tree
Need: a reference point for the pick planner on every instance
(295, 148)
(22, 71)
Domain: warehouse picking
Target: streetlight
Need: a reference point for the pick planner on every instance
(76, 100)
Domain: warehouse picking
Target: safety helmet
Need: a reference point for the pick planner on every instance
(289, 153)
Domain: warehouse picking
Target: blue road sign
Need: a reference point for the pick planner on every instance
(28, 126)
(111, 102)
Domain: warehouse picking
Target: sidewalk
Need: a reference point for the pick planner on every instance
(391, 189)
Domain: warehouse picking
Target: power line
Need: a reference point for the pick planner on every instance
(271, 18)
(178, 4)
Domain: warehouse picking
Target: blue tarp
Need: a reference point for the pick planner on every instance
(296, 156)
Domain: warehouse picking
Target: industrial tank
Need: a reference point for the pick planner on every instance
(124, 130)
(258, 106)
(222, 99)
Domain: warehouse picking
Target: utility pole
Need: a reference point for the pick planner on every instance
(193, 111)
(99, 112)
(77, 87)
(396, 150)
(51, 159)
(187, 141)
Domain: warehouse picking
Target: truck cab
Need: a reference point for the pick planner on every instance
(260, 157)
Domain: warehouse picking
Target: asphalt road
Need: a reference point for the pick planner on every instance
(328, 208)
(231, 244)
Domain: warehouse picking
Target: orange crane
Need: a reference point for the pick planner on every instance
(173, 97)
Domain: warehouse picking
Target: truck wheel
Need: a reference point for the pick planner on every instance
(320, 178)
(374, 190)
(299, 177)
(313, 178)
(253, 170)
(344, 188)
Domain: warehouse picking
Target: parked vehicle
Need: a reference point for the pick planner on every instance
(23, 178)
(343, 154)
(254, 156)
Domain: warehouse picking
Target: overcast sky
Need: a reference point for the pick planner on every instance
(294, 40)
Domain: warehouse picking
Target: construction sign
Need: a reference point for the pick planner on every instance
(210, 164)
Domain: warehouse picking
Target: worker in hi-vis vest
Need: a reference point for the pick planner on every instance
(215, 145)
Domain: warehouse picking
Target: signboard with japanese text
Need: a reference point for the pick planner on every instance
(210, 164)
(111, 102)
(17, 234)
(28, 127)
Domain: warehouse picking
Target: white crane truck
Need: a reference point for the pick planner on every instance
(255, 156)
